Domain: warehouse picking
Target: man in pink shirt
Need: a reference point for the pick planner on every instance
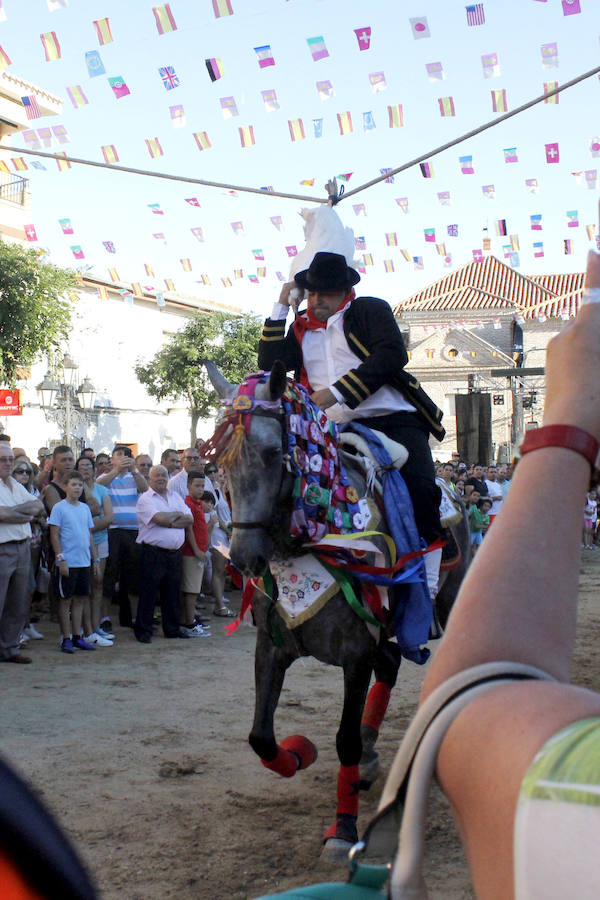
(163, 518)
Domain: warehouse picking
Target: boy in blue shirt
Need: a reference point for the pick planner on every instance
(71, 538)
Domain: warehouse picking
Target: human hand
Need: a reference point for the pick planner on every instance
(284, 296)
(324, 398)
(63, 568)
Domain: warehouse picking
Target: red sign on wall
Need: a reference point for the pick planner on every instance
(10, 403)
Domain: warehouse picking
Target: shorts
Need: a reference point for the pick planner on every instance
(476, 538)
(589, 524)
(101, 549)
(192, 574)
(75, 584)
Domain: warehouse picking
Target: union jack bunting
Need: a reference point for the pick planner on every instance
(169, 78)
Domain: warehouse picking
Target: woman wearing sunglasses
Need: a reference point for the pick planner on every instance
(23, 472)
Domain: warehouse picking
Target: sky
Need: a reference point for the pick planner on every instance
(108, 206)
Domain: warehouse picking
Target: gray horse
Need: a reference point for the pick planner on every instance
(260, 491)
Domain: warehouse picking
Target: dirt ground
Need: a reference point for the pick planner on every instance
(141, 753)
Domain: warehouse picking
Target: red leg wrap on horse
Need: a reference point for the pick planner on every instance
(347, 790)
(304, 749)
(285, 763)
(376, 705)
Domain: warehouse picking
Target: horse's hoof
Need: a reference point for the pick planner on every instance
(336, 850)
(370, 769)
(302, 748)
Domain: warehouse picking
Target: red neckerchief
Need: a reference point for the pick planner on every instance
(308, 322)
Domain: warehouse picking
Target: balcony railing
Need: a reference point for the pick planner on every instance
(13, 189)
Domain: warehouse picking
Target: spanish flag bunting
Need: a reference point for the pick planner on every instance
(368, 259)
(226, 282)
(551, 86)
(238, 273)
(388, 265)
(222, 8)
(499, 101)
(202, 140)
(109, 152)
(391, 239)
(215, 68)
(102, 292)
(4, 168)
(296, 127)
(205, 279)
(136, 287)
(514, 242)
(50, 45)
(429, 352)
(446, 105)
(591, 232)
(154, 148)
(261, 272)
(19, 164)
(76, 96)
(114, 275)
(405, 254)
(186, 264)
(396, 115)
(441, 249)
(103, 32)
(164, 19)
(169, 284)
(4, 59)
(345, 122)
(246, 133)
(149, 270)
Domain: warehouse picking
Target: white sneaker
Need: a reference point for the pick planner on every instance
(94, 638)
(198, 631)
(32, 632)
(24, 637)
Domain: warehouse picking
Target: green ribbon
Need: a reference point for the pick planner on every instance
(345, 583)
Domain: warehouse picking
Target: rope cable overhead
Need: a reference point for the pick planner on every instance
(287, 196)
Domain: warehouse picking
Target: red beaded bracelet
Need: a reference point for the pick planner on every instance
(568, 436)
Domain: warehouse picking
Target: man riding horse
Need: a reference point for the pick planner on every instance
(349, 353)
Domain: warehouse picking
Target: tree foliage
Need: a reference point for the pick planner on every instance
(34, 310)
(231, 342)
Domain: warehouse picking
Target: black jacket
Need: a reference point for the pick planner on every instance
(373, 335)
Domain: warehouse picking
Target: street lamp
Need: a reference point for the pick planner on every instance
(57, 398)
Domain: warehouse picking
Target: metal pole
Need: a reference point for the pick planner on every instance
(67, 415)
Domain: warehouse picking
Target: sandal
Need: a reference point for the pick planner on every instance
(224, 612)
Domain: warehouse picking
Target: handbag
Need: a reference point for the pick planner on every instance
(397, 831)
(42, 578)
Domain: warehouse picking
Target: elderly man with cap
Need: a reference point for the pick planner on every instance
(349, 353)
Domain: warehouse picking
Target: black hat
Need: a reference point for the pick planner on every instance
(327, 272)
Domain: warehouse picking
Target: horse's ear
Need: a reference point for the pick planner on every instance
(277, 380)
(218, 381)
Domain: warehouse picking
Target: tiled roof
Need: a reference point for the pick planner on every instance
(492, 285)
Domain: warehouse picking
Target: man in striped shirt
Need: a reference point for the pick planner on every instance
(125, 484)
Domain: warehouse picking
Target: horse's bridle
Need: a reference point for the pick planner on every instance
(266, 409)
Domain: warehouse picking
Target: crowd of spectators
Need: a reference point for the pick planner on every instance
(482, 489)
(79, 537)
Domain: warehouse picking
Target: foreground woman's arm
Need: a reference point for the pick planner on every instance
(519, 603)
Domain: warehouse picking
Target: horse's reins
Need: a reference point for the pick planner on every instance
(245, 405)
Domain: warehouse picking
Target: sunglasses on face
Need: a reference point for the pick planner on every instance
(22, 471)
